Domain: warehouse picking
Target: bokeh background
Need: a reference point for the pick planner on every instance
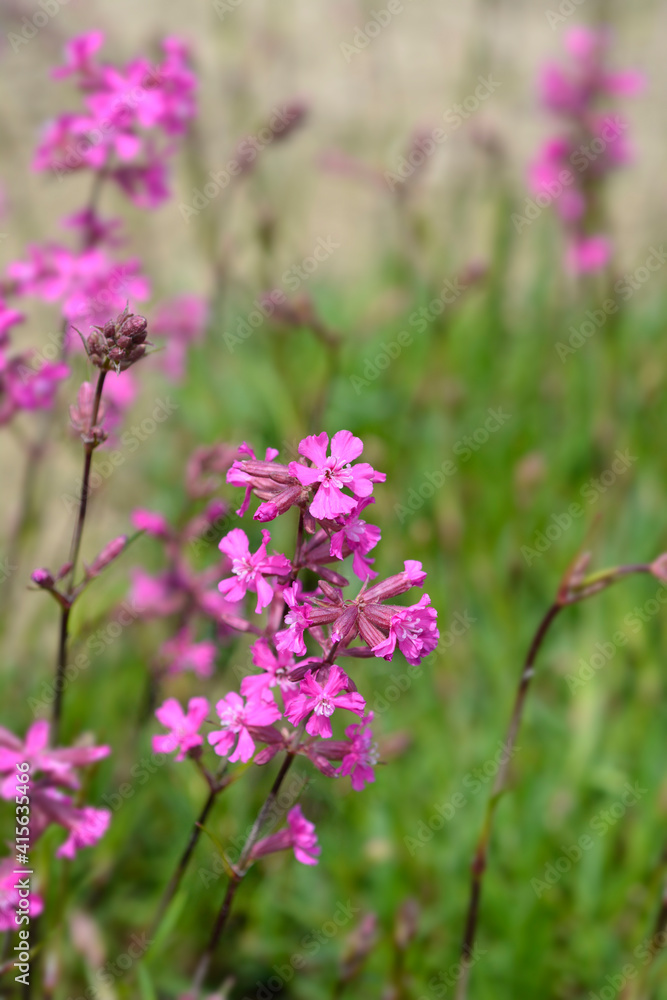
(493, 349)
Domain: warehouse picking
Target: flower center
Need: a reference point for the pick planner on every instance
(408, 628)
(324, 707)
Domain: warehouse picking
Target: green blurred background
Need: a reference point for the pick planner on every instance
(494, 348)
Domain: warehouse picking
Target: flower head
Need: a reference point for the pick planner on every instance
(239, 719)
(184, 734)
(299, 834)
(361, 756)
(319, 701)
(414, 629)
(250, 570)
(357, 537)
(275, 667)
(334, 473)
(118, 344)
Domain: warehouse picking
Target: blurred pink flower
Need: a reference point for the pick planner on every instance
(276, 669)
(9, 897)
(181, 652)
(357, 537)
(299, 834)
(361, 755)
(588, 253)
(239, 719)
(250, 571)
(184, 727)
(297, 619)
(181, 321)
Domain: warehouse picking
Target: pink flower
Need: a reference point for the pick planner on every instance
(50, 771)
(79, 52)
(299, 835)
(365, 615)
(9, 897)
(182, 653)
(55, 764)
(297, 619)
(322, 699)
(184, 727)
(592, 144)
(86, 826)
(8, 319)
(120, 391)
(150, 522)
(276, 672)
(250, 571)
(36, 390)
(240, 719)
(588, 253)
(358, 537)
(414, 629)
(334, 473)
(361, 756)
(181, 321)
(271, 482)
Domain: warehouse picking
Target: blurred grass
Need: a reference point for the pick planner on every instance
(493, 349)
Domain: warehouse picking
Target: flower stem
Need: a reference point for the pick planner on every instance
(238, 874)
(89, 447)
(176, 878)
(479, 862)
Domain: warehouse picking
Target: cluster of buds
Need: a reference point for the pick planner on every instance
(118, 344)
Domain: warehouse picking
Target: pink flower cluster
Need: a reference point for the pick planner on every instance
(571, 165)
(52, 780)
(290, 704)
(129, 127)
(130, 118)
